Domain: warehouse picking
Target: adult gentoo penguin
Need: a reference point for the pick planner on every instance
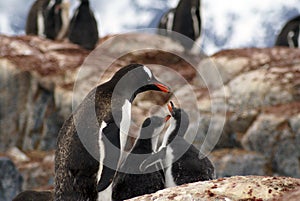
(48, 18)
(184, 19)
(82, 145)
(290, 34)
(181, 160)
(83, 28)
(130, 181)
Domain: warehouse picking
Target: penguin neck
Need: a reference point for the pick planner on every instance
(172, 135)
(125, 93)
(168, 133)
(177, 128)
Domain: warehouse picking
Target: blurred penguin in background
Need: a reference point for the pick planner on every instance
(289, 36)
(57, 19)
(166, 21)
(48, 18)
(35, 24)
(184, 19)
(83, 28)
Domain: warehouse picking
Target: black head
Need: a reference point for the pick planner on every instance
(54, 5)
(85, 1)
(152, 126)
(181, 119)
(136, 78)
(58, 2)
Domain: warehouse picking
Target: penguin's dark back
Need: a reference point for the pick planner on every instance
(188, 166)
(72, 156)
(183, 19)
(83, 28)
(73, 161)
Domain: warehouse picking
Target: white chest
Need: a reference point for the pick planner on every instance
(124, 126)
(106, 194)
(102, 150)
(168, 173)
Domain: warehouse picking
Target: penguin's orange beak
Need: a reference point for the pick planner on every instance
(170, 106)
(167, 118)
(162, 87)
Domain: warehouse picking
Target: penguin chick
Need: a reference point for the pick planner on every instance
(182, 161)
(130, 181)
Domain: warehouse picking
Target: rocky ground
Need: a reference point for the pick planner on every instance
(246, 114)
(233, 188)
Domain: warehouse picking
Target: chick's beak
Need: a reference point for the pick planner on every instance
(170, 106)
(167, 118)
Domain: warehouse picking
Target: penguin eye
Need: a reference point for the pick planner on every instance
(146, 123)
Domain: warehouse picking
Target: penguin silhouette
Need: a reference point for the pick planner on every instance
(182, 161)
(290, 34)
(130, 181)
(184, 19)
(83, 28)
(34, 196)
(35, 24)
(87, 142)
(48, 18)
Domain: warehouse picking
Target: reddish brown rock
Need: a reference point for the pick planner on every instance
(232, 188)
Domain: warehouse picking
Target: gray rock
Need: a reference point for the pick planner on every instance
(274, 137)
(263, 135)
(10, 180)
(286, 158)
(29, 119)
(30, 68)
(231, 162)
(295, 126)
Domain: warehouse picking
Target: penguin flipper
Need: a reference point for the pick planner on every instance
(112, 154)
(155, 158)
(106, 178)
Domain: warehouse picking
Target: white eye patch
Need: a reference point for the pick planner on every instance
(148, 71)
